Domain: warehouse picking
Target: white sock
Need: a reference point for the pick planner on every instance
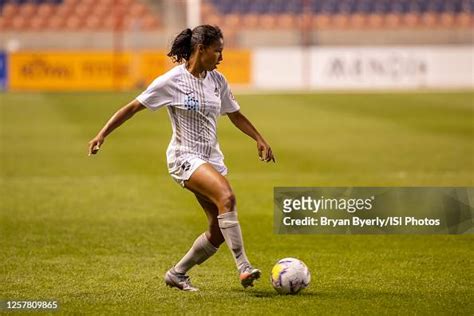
(200, 251)
(230, 228)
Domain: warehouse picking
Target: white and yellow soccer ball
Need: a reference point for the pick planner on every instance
(290, 275)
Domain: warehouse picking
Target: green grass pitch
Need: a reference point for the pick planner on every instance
(98, 233)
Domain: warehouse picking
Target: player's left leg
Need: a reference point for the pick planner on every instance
(211, 184)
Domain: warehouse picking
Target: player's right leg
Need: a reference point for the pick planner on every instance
(205, 246)
(213, 234)
(214, 187)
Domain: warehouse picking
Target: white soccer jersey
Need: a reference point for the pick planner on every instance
(193, 106)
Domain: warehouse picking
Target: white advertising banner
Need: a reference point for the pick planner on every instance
(365, 67)
(278, 68)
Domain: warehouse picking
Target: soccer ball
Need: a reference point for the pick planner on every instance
(289, 276)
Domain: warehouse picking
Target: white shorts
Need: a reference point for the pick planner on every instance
(182, 169)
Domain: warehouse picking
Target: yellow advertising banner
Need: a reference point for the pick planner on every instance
(81, 71)
(236, 66)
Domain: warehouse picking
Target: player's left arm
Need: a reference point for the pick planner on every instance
(241, 122)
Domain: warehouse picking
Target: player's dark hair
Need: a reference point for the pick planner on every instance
(184, 44)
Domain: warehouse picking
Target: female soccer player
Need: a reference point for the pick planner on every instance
(195, 94)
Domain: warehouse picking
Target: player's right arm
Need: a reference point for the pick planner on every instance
(115, 121)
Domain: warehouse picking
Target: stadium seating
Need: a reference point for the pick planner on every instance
(339, 13)
(76, 15)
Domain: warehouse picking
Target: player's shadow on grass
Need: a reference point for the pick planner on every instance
(273, 293)
(331, 294)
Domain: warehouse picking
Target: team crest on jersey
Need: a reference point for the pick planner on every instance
(186, 166)
(191, 102)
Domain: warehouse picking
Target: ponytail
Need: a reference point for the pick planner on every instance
(181, 47)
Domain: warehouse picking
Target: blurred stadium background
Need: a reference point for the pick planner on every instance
(120, 44)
